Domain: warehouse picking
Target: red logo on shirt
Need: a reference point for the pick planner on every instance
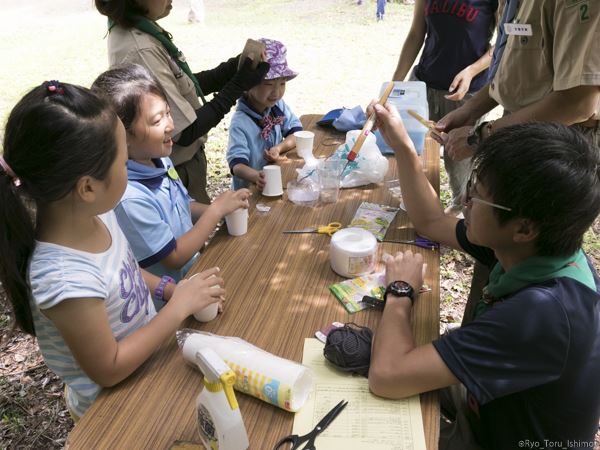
(458, 8)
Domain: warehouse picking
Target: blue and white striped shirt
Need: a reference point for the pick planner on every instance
(58, 273)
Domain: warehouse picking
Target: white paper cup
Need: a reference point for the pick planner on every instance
(207, 314)
(304, 144)
(273, 185)
(237, 222)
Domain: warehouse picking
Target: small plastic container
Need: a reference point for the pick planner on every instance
(303, 193)
(352, 252)
(408, 95)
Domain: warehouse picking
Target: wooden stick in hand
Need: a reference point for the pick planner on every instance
(369, 124)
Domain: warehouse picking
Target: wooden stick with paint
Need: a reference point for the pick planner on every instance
(369, 124)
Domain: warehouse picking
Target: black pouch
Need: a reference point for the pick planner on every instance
(349, 348)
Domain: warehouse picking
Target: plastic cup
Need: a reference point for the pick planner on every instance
(329, 172)
(237, 222)
(304, 145)
(207, 314)
(273, 185)
(303, 193)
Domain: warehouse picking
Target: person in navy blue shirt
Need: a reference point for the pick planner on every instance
(455, 39)
(523, 373)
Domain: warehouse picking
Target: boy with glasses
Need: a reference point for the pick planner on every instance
(524, 371)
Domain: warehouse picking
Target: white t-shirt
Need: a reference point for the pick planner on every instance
(57, 273)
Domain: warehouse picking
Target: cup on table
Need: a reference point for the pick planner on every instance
(304, 145)
(329, 173)
(207, 314)
(237, 222)
(273, 185)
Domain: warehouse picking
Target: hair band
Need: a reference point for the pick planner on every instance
(11, 174)
(54, 87)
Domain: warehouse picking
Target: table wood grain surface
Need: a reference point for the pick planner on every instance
(277, 295)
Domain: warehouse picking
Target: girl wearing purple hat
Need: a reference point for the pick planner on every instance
(262, 127)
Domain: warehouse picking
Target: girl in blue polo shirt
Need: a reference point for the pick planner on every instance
(263, 125)
(156, 213)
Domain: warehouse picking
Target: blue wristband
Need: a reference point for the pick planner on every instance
(159, 291)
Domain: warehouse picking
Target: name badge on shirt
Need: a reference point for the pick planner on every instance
(518, 29)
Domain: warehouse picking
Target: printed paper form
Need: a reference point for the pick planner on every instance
(367, 422)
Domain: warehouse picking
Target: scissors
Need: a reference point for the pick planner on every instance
(329, 229)
(309, 438)
(419, 242)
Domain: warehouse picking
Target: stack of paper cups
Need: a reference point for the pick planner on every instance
(275, 380)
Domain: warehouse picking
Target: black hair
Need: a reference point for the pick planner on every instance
(124, 87)
(121, 11)
(56, 134)
(547, 173)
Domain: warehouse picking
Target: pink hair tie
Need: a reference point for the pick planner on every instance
(54, 87)
(12, 175)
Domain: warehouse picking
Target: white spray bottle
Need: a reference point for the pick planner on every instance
(219, 419)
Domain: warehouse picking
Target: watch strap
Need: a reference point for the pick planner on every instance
(400, 288)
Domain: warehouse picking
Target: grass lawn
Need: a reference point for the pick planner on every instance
(342, 53)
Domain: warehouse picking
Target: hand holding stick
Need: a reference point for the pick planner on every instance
(369, 124)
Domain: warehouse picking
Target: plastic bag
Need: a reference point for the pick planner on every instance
(370, 166)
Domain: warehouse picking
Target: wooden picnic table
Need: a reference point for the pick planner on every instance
(277, 295)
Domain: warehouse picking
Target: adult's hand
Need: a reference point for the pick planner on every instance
(406, 266)
(456, 145)
(389, 122)
(247, 77)
(460, 85)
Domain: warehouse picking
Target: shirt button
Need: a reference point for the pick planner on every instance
(524, 40)
(493, 85)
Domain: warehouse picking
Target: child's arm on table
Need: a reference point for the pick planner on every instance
(274, 153)
(84, 325)
(249, 174)
(422, 202)
(197, 209)
(192, 241)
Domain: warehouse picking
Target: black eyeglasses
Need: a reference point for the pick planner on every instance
(469, 196)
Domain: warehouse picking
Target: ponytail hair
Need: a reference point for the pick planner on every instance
(56, 134)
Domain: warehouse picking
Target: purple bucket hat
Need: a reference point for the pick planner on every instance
(276, 57)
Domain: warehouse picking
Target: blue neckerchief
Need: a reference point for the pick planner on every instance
(153, 177)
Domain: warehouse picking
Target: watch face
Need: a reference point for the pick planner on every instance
(401, 289)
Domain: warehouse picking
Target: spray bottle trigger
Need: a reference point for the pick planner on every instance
(228, 380)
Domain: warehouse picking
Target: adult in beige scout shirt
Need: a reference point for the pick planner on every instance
(135, 37)
(550, 71)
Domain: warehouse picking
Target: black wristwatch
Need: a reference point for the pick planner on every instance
(475, 135)
(400, 289)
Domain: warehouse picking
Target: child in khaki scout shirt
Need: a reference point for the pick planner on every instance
(135, 37)
(549, 71)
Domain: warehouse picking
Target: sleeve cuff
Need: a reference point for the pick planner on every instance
(160, 255)
(235, 161)
(292, 131)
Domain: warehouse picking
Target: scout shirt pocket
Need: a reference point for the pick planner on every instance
(527, 72)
